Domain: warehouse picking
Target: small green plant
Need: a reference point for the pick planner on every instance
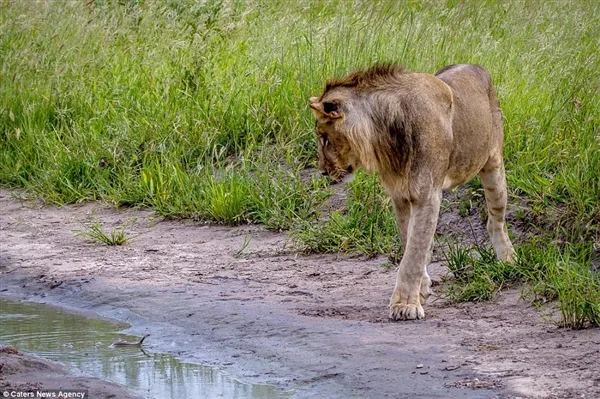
(478, 274)
(578, 292)
(245, 244)
(94, 232)
(563, 274)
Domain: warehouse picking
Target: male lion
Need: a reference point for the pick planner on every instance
(422, 134)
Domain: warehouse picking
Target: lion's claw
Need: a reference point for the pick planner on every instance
(404, 311)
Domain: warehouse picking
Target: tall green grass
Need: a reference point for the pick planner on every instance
(198, 109)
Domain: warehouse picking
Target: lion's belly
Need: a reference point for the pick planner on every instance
(454, 181)
(472, 140)
(465, 163)
(470, 153)
(450, 183)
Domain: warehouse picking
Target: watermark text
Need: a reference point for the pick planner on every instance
(45, 393)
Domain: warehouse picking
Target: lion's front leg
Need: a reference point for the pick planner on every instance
(412, 282)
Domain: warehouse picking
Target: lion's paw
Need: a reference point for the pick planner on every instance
(406, 311)
(508, 255)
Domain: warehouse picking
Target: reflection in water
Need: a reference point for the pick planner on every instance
(83, 344)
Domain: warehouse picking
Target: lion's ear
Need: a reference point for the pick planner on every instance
(316, 105)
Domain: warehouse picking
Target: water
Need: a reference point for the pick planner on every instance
(83, 345)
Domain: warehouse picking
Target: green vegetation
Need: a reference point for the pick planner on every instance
(94, 232)
(368, 225)
(551, 274)
(478, 273)
(198, 109)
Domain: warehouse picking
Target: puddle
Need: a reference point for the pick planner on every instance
(82, 344)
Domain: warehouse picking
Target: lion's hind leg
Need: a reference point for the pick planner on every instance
(494, 185)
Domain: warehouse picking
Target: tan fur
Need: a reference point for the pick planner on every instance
(421, 133)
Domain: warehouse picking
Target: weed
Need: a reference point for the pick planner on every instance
(94, 232)
(245, 244)
(564, 274)
(478, 273)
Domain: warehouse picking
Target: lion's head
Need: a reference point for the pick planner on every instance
(336, 158)
(360, 123)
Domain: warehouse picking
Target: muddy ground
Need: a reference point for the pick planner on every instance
(313, 325)
(23, 372)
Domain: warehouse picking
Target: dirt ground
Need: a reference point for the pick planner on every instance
(313, 325)
(22, 372)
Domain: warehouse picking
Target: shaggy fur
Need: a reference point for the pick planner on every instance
(373, 77)
(421, 133)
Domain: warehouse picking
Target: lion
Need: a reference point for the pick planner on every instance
(422, 134)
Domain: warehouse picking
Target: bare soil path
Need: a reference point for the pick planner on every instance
(316, 325)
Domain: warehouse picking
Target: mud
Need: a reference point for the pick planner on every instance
(23, 372)
(313, 325)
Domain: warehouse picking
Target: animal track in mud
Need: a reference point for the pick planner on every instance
(344, 312)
